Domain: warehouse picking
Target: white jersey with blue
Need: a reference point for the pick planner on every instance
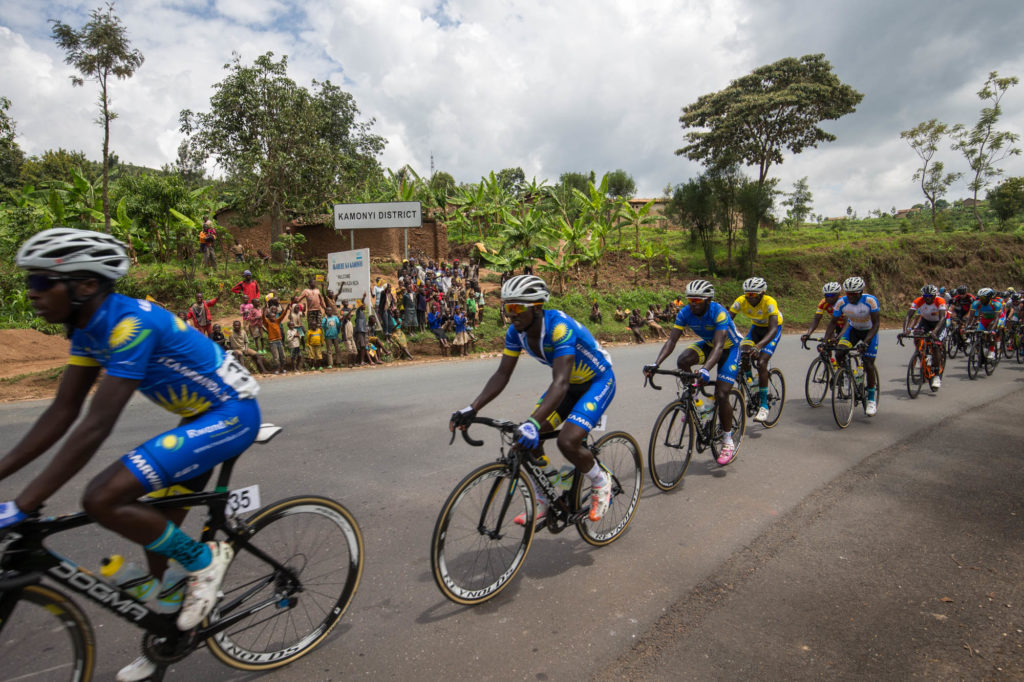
(182, 371)
(858, 314)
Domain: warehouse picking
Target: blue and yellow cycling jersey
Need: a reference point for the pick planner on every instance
(857, 314)
(759, 313)
(714, 318)
(561, 335)
(178, 368)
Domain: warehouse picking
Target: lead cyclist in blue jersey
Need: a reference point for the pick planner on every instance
(141, 347)
(582, 383)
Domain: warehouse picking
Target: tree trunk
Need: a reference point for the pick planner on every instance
(106, 154)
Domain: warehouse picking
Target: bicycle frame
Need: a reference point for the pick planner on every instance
(26, 561)
(704, 423)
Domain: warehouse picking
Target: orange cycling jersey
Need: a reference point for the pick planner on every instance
(825, 309)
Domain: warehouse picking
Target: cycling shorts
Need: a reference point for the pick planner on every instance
(757, 333)
(583, 404)
(728, 364)
(986, 324)
(851, 337)
(193, 448)
(926, 326)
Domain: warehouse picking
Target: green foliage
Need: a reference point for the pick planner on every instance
(924, 140)
(799, 202)
(1007, 199)
(621, 184)
(511, 180)
(11, 156)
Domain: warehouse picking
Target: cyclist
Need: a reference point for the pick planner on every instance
(582, 384)
(764, 333)
(928, 312)
(830, 295)
(987, 310)
(863, 323)
(141, 346)
(718, 345)
(961, 303)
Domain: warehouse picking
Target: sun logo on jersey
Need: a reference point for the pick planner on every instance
(561, 331)
(185, 404)
(125, 334)
(590, 406)
(171, 442)
(180, 323)
(581, 374)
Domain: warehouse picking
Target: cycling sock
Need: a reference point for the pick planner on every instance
(174, 543)
(764, 396)
(872, 392)
(596, 475)
(727, 436)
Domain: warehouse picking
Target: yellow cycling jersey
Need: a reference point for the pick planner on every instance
(759, 313)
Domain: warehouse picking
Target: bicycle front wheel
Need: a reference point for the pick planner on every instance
(476, 548)
(844, 395)
(671, 446)
(319, 541)
(619, 456)
(915, 375)
(46, 637)
(973, 353)
(739, 424)
(776, 397)
(816, 383)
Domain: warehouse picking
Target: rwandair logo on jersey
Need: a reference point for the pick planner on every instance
(125, 334)
(561, 331)
(171, 442)
(591, 406)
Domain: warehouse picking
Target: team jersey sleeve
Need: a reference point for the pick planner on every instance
(837, 311)
(823, 307)
(680, 321)
(722, 320)
(130, 344)
(736, 305)
(563, 339)
(917, 303)
(512, 346)
(872, 304)
(80, 357)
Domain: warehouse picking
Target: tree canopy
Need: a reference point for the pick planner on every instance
(773, 109)
(621, 184)
(285, 149)
(11, 156)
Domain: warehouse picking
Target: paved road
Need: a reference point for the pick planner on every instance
(377, 440)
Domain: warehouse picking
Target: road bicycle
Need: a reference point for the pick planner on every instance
(819, 374)
(477, 549)
(920, 369)
(297, 565)
(849, 384)
(749, 383)
(978, 341)
(955, 342)
(683, 424)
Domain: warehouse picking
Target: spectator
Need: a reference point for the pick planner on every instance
(254, 324)
(409, 316)
(385, 302)
(295, 348)
(421, 306)
(398, 338)
(595, 313)
(238, 344)
(208, 243)
(378, 287)
(238, 251)
(652, 322)
(314, 301)
(295, 320)
(620, 314)
(435, 320)
(461, 342)
(360, 332)
(264, 258)
(330, 306)
(636, 325)
(272, 318)
(217, 336)
(471, 304)
(347, 333)
(332, 342)
(315, 344)
(198, 314)
(248, 287)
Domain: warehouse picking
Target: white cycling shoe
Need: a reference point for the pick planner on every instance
(872, 408)
(140, 669)
(204, 587)
(762, 415)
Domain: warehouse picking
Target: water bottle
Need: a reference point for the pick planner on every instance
(565, 476)
(704, 409)
(172, 588)
(130, 577)
(858, 375)
(835, 365)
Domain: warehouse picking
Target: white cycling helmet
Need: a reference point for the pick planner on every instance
(929, 290)
(755, 285)
(853, 285)
(525, 289)
(985, 291)
(700, 288)
(69, 250)
(831, 288)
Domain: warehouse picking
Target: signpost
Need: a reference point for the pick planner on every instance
(348, 275)
(389, 214)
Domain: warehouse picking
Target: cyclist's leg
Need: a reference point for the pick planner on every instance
(695, 353)
(725, 379)
(763, 359)
(585, 415)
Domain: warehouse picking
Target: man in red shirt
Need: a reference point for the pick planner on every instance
(249, 287)
(199, 314)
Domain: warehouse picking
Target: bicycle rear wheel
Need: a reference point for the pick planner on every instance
(1020, 348)
(739, 424)
(915, 375)
(475, 551)
(47, 637)
(619, 455)
(973, 359)
(843, 397)
(671, 446)
(776, 397)
(320, 541)
(817, 382)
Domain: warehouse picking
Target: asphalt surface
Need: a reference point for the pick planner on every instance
(698, 585)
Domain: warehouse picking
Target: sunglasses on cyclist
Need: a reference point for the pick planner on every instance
(753, 294)
(517, 308)
(38, 282)
(696, 300)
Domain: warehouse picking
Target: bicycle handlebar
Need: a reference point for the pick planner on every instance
(503, 425)
(677, 373)
(804, 342)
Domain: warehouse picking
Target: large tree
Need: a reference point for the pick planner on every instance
(286, 149)
(100, 50)
(774, 109)
(621, 184)
(1007, 199)
(924, 139)
(11, 156)
(982, 145)
(799, 202)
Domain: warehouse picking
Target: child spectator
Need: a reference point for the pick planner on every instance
(315, 344)
(461, 342)
(217, 336)
(248, 287)
(238, 344)
(360, 332)
(272, 319)
(314, 302)
(198, 314)
(295, 347)
(620, 314)
(398, 338)
(595, 313)
(332, 339)
(295, 320)
(434, 322)
(238, 251)
(348, 334)
(254, 324)
(636, 325)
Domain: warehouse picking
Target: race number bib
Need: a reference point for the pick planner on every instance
(235, 375)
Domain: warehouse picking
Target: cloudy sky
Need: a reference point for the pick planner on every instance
(547, 85)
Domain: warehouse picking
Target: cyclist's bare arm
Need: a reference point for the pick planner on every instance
(494, 386)
(830, 329)
(911, 314)
(814, 325)
(773, 326)
(876, 324)
(111, 397)
(561, 368)
(55, 421)
(668, 346)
